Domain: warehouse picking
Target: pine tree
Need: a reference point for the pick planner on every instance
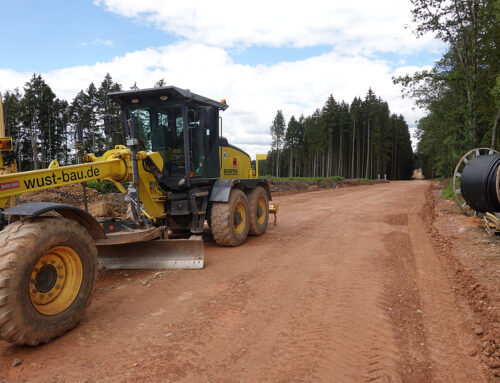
(277, 133)
(108, 113)
(43, 116)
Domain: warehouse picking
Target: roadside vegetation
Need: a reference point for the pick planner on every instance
(447, 188)
(461, 92)
(105, 187)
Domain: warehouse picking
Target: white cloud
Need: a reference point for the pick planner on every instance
(356, 26)
(106, 43)
(254, 93)
(10, 79)
(103, 42)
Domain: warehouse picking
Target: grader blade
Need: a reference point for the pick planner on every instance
(154, 254)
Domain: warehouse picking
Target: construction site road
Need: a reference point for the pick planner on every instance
(346, 288)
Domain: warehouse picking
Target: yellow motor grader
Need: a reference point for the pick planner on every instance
(185, 175)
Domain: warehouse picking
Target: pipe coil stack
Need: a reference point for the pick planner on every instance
(480, 183)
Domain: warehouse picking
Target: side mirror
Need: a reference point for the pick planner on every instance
(206, 116)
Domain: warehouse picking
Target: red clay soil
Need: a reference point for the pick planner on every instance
(372, 283)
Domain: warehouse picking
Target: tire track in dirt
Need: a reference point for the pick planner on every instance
(405, 312)
(450, 341)
(331, 345)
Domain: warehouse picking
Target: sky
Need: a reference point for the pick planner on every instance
(260, 56)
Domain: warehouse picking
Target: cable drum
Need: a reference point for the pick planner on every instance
(479, 183)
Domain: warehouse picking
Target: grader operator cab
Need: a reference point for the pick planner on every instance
(185, 176)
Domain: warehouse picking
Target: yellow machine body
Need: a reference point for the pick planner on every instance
(114, 165)
(234, 163)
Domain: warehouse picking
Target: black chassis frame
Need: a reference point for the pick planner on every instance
(189, 209)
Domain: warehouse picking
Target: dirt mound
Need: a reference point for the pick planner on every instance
(99, 205)
(285, 186)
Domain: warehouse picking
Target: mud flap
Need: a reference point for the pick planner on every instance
(154, 254)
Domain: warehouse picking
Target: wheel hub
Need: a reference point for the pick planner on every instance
(55, 280)
(259, 211)
(237, 218)
(46, 278)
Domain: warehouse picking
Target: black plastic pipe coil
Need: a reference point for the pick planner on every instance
(479, 183)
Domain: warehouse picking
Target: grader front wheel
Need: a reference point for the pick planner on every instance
(48, 266)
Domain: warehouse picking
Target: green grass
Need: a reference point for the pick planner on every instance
(319, 179)
(307, 179)
(363, 180)
(447, 191)
(104, 187)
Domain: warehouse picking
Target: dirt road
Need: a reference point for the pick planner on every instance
(347, 288)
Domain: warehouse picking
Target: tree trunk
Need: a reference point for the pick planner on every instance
(494, 133)
(34, 148)
(367, 170)
(339, 172)
(352, 154)
(278, 163)
(358, 156)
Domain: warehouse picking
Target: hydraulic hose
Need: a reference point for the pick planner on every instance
(479, 183)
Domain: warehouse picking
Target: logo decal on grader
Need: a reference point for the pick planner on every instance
(9, 185)
(60, 178)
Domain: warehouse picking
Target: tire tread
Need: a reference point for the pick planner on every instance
(18, 241)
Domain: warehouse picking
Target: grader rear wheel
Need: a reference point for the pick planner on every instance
(48, 266)
(229, 221)
(258, 205)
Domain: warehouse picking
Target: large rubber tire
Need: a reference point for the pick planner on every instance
(50, 255)
(225, 230)
(258, 205)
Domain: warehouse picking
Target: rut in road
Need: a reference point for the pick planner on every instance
(347, 288)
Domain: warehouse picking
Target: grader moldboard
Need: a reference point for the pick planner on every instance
(184, 173)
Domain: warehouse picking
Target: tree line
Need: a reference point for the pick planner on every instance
(358, 140)
(44, 127)
(461, 92)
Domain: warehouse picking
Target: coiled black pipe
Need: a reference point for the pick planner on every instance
(479, 183)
